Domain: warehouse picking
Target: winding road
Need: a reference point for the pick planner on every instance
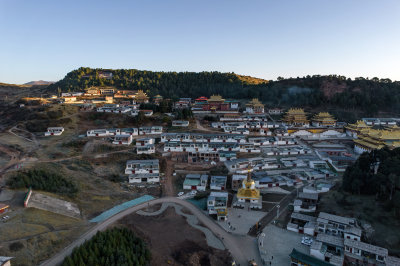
(242, 248)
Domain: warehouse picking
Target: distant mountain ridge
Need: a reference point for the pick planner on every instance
(39, 82)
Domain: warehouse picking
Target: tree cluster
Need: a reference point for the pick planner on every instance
(185, 114)
(43, 180)
(376, 173)
(116, 246)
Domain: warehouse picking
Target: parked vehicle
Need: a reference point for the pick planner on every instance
(305, 240)
(181, 194)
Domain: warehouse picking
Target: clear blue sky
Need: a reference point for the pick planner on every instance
(47, 39)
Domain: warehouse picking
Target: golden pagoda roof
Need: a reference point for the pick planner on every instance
(323, 116)
(378, 138)
(158, 96)
(248, 193)
(216, 98)
(296, 111)
(248, 190)
(295, 115)
(141, 94)
(359, 124)
(255, 103)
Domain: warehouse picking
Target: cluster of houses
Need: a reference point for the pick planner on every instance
(289, 171)
(337, 240)
(224, 147)
(124, 136)
(217, 201)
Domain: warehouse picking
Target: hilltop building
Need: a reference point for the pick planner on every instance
(373, 139)
(141, 97)
(323, 119)
(254, 107)
(296, 117)
(354, 129)
(214, 104)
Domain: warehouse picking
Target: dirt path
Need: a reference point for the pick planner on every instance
(242, 248)
(14, 159)
(33, 137)
(200, 127)
(168, 181)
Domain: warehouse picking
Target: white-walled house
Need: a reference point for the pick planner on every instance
(153, 130)
(123, 139)
(130, 131)
(97, 133)
(217, 203)
(54, 131)
(180, 123)
(144, 178)
(195, 182)
(218, 182)
(148, 149)
(144, 142)
(142, 167)
(143, 171)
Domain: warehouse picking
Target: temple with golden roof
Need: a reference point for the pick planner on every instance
(323, 119)
(296, 117)
(141, 97)
(372, 139)
(248, 193)
(354, 129)
(254, 107)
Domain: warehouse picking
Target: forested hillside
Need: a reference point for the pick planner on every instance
(376, 173)
(366, 95)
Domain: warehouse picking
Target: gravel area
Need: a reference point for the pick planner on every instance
(279, 243)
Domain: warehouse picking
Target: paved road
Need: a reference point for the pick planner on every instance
(273, 213)
(242, 248)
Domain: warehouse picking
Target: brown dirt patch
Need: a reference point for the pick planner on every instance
(173, 241)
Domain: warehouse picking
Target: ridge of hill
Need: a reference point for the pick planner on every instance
(332, 92)
(39, 82)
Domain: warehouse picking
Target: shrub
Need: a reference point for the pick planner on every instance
(16, 246)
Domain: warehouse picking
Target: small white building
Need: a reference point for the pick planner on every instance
(148, 149)
(218, 182)
(217, 203)
(142, 167)
(123, 139)
(130, 131)
(54, 131)
(5, 261)
(153, 130)
(144, 178)
(144, 142)
(195, 182)
(180, 123)
(97, 133)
